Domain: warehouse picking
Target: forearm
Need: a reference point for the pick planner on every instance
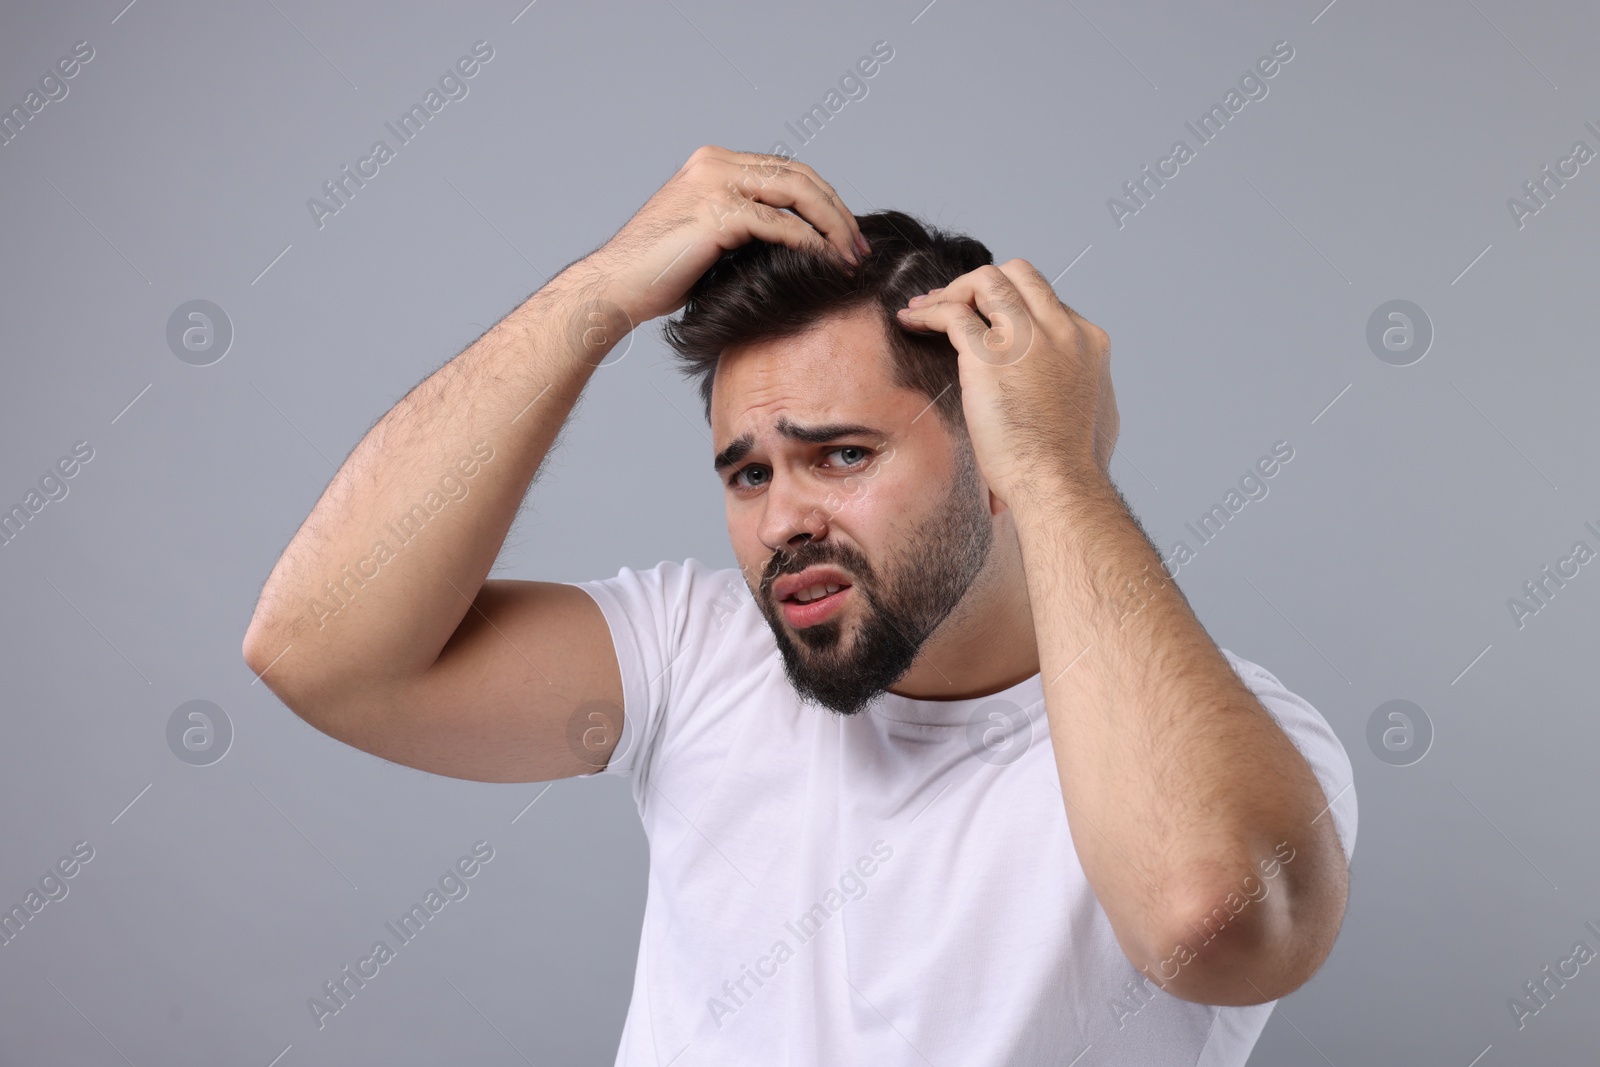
(1181, 791)
(383, 569)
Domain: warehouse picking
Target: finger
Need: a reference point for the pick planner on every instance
(782, 183)
(988, 289)
(817, 206)
(761, 160)
(857, 240)
(1038, 293)
(1045, 304)
(958, 321)
(755, 219)
(1012, 326)
(740, 218)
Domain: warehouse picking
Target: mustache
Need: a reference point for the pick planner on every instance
(813, 554)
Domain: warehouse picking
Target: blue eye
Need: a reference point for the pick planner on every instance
(759, 469)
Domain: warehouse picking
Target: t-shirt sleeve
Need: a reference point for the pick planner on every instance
(658, 620)
(1315, 739)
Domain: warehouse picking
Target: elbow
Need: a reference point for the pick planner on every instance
(270, 653)
(256, 648)
(1249, 941)
(339, 704)
(1211, 954)
(268, 650)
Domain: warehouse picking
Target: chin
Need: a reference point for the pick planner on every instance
(840, 704)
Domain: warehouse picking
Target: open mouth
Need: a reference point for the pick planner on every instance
(815, 603)
(812, 594)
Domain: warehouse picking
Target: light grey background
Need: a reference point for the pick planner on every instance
(1379, 567)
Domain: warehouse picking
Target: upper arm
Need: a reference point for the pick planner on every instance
(527, 689)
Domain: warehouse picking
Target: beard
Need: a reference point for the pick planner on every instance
(900, 607)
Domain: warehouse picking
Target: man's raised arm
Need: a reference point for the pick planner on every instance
(377, 624)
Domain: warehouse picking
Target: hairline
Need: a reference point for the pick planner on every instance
(896, 366)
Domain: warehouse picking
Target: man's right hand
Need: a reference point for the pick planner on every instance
(379, 626)
(718, 200)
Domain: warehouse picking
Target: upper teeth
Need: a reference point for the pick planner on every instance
(816, 591)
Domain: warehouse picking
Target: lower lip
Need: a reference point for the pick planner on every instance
(809, 614)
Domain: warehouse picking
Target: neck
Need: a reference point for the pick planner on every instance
(987, 643)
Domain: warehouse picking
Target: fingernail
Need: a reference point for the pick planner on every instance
(861, 243)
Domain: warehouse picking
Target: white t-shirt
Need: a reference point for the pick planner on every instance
(897, 887)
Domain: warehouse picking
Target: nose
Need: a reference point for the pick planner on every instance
(793, 515)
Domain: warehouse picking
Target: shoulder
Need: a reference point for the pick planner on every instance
(692, 648)
(682, 620)
(685, 593)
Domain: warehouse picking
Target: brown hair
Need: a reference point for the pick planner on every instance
(761, 291)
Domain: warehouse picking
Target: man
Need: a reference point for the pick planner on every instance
(967, 782)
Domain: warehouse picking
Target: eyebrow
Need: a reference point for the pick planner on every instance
(815, 435)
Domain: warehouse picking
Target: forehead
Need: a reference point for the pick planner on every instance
(838, 371)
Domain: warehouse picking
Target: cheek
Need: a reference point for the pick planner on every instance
(744, 537)
(876, 514)
(869, 507)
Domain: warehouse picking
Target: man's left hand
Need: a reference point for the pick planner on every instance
(1035, 378)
